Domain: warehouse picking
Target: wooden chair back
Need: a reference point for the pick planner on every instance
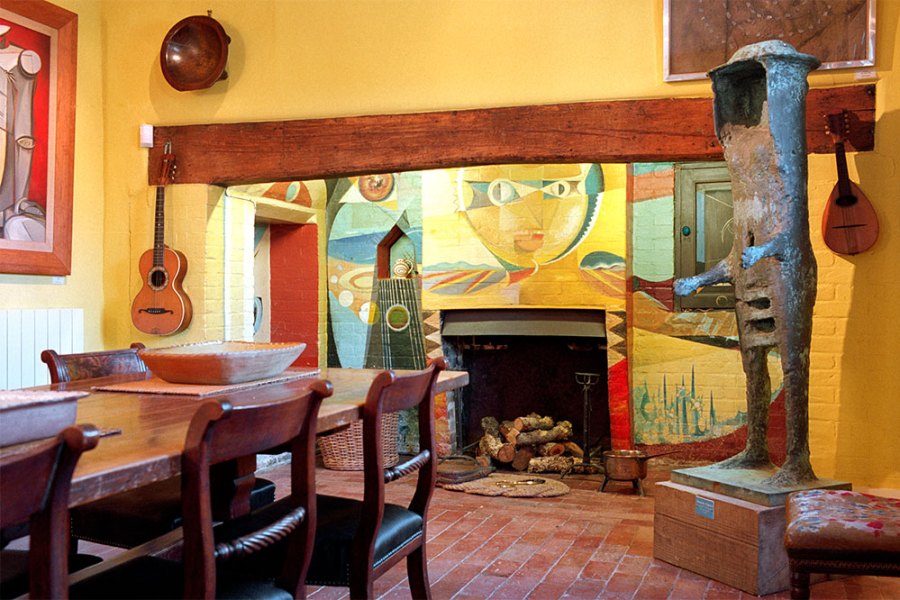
(388, 393)
(87, 365)
(220, 432)
(36, 487)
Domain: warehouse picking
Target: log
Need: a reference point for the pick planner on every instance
(550, 464)
(574, 449)
(551, 449)
(512, 435)
(524, 454)
(490, 426)
(560, 432)
(490, 445)
(506, 453)
(483, 460)
(532, 422)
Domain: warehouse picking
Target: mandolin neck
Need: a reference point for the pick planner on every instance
(845, 192)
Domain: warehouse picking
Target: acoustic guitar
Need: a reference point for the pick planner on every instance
(849, 225)
(162, 307)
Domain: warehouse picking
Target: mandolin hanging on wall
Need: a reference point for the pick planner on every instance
(162, 307)
(849, 224)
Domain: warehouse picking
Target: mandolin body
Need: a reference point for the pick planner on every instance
(162, 307)
(849, 224)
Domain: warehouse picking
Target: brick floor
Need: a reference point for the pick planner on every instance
(582, 545)
(585, 544)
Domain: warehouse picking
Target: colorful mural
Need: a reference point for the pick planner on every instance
(687, 379)
(524, 235)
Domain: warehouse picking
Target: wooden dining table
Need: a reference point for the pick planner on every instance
(145, 432)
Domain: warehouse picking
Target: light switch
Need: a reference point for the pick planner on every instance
(146, 136)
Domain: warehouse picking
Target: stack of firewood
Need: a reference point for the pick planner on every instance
(532, 443)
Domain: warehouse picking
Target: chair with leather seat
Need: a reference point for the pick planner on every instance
(36, 485)
(136, 516)
(358, 541)
(213, 554)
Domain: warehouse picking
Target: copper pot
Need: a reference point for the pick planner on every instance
(627, 465)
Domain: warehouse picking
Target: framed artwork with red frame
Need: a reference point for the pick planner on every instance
(38, 45)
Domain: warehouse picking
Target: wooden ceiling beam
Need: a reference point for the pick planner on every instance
(676, 129)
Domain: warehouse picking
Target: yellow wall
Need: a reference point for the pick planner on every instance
(316, 58)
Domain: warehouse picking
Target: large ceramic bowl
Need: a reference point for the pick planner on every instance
(30, 415)
(220, 363)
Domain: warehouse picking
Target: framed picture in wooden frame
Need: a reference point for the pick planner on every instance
(38, 45)
(699, 35)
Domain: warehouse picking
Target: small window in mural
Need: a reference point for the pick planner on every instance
(703, 230)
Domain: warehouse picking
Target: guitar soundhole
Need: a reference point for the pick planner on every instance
(157, 278)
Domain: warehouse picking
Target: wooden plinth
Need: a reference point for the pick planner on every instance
(733, 541)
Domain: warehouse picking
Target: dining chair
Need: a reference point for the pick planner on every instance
(211, 564)
(35, 486)
(136, 516)
(88, 365)
(358, 541)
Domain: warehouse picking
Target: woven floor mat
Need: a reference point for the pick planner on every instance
(517, 486)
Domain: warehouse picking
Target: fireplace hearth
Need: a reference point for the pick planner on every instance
(523, 361)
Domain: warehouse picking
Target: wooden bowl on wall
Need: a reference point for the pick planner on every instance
(220, 363)
(194, 53)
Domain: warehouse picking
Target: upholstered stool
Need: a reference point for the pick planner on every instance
(834, 531)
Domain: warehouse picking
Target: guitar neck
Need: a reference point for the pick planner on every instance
(160, 227)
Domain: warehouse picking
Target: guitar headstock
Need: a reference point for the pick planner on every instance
(838, 126)
(168, 166)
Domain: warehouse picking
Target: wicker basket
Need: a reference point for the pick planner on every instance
(343, 451)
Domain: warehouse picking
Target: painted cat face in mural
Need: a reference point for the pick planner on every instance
(529, 215)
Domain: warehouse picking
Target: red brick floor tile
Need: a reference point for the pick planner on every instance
(515, 588)
(611, 552)
(503, 568)
(689, 588)
(585, 588)
(549, 590)
(483, 585)
(623, 582)
(653, 591)
(562, 574)
(633, 565)
(598, 569)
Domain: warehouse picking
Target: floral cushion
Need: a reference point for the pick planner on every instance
(843, 521)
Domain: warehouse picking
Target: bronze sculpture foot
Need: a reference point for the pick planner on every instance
(792, 473)
(746, 459)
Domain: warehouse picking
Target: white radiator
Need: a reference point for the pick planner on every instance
(25, 333)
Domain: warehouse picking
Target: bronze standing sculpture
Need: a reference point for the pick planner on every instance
(760, 120)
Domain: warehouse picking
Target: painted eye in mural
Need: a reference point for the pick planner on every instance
(559, 189)
(376, 188)
(502, 191)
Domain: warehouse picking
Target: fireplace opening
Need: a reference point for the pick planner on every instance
(520, 361)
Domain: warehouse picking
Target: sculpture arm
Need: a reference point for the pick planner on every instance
(721, 273)
(774, 248)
